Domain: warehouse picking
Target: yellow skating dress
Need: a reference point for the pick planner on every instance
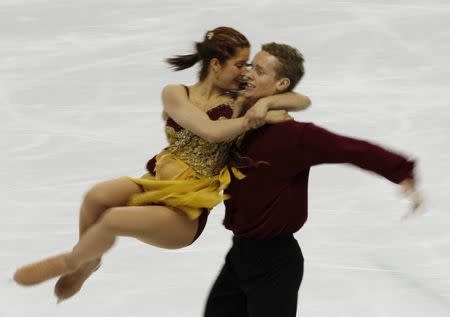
(191, 173)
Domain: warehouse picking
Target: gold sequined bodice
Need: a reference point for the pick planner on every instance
(206, 159)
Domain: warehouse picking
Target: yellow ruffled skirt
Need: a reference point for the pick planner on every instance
(176, 184)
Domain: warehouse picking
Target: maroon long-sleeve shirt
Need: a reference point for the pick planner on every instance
(273, 200)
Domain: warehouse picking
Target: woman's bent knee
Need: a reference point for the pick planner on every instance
(95, 196)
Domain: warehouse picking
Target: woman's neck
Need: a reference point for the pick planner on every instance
(207, 90)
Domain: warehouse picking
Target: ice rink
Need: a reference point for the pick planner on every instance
(80, 85)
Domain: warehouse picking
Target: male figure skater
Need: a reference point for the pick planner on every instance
(264, 267)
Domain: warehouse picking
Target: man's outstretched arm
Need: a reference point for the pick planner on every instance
(322, 146)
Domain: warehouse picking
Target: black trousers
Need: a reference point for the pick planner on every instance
(260, 278)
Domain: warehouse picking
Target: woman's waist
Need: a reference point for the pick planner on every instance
(204, 163)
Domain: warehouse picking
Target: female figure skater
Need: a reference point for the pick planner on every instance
(168, 206)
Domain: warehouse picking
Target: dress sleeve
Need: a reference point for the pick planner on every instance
(320, 146)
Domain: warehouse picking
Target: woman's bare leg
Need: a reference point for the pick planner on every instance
(156, 225)
(102, 196)
(97, 200)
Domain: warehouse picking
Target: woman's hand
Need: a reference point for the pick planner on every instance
(276, 116)
(256, 115)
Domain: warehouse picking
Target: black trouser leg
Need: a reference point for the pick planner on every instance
(226, 299)
(260, 278)
(276, 293)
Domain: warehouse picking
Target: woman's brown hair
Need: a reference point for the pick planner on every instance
(220, 43)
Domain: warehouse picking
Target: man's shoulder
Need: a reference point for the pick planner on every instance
(281, 133)
(290, 126)
(275, 141)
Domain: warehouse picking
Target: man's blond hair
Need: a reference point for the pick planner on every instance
(290, 62)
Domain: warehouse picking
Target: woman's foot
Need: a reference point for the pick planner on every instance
(41, 271)
(70, 284)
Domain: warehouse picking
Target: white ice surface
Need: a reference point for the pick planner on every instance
(80, 86)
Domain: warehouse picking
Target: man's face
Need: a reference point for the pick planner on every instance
(262, 78)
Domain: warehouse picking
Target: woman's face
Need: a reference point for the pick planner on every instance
(229, 75)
